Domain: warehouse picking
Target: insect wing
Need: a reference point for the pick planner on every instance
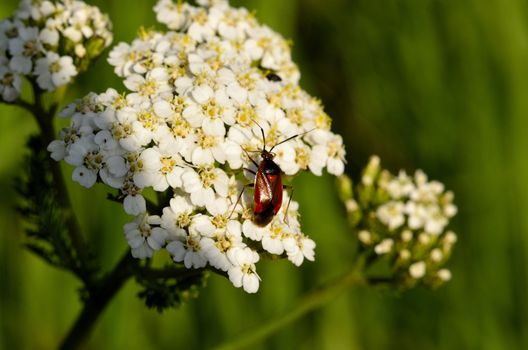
(276, 185)
(263, 193)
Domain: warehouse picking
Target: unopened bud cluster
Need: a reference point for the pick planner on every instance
(402, 220)
(198, 96)
(49, 42)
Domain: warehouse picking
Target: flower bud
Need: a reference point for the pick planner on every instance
(404, 217)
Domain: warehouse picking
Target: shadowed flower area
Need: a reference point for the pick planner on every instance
(433, 85)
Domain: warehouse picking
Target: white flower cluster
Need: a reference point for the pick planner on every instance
(415, 202)
(49, 42)
(198, 97)
(405, 217)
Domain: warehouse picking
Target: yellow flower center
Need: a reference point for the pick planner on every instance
(264, 42)
(178, 104)
(276, 231)
(71, 136)
(296, 116)
(323, 121)
(94, 160)
(119, 102)
(219, 221)
(223, 243)
(130, 188)
(207, 176)
(302, 157)
(148, 119)
(206, 141)
(144, 230)
(180, 127)
(334, 150)
(246, 81)
(247, 269)
(192, 244)
(55, 67)
(149, 88)
(245, 115)
(168, 164)
(201, 17)
(30, 48)
(184, 220)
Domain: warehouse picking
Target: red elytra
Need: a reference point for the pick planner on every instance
(267, 199)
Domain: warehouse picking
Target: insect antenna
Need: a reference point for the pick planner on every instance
(189, 164)
(262, 132)
(291, 138)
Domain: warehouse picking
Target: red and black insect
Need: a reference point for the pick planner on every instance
(267, 199)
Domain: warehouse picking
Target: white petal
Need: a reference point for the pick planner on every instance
(174, 178)
(135, 205)
(274, 246)
(57, 149)
(335, 166)
(202, 225)
(237, 93)
(213, 127)
(177, 249)
(202, 94)
(163, 109)
(235, 276)
(142, 252)
(157, 238)
(117, 166)
(202, 196)
(221, 183)
(202, 156)
(251, 283)
(84, 176)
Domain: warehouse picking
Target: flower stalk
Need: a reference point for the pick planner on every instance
(310, 302)
(99, 296)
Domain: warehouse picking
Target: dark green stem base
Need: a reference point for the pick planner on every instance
(99, 297)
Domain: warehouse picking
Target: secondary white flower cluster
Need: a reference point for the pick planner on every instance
(49, 42)
(405, 218)
(198, 97)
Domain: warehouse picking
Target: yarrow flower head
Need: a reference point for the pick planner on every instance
(49, 42)
(403, 219)
(190, 126)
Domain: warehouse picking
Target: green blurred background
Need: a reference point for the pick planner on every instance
(437, 85)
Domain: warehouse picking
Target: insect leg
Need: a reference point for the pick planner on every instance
(251, 171)
(288, 205)
(251, 159)
(239, 197)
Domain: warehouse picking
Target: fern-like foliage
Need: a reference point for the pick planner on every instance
(45, 224)
(166, 291)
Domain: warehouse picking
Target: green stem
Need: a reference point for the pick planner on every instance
(174, 272)
(26, 105)
(98, 300)
(310, 302)
(109, 286)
